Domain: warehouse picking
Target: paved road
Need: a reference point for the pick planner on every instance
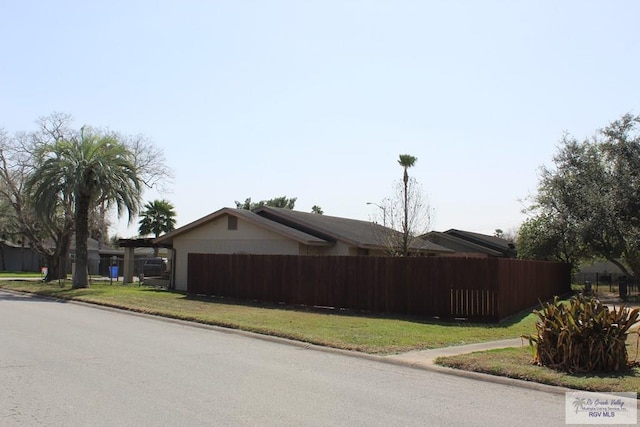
(69, 364)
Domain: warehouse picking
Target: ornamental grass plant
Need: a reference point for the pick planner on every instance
(582, 336)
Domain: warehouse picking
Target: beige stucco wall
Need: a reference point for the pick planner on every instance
(338, 248)
(214, 237)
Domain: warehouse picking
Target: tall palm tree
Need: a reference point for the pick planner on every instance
(88, 169)
(406, 161)
(158, 217)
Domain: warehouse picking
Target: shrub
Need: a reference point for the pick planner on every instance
(585, 336)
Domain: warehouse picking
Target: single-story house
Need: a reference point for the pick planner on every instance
(277, 231)
(473, 244)
(15, 257)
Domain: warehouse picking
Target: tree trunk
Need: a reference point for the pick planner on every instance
(55, 269)
(405, 223)
(57, 261)
(621, 266)
(80, 276)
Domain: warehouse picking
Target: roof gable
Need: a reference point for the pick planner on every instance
(248, 216)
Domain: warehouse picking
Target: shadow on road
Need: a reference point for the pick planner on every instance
(333, 311)
(6, 295)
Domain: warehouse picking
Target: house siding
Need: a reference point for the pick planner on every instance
(309, 250)
(337, 248)
(20, 259)
(216, 238)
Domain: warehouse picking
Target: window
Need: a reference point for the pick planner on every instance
(232, 223)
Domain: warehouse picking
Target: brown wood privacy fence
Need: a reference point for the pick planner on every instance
(486, 289)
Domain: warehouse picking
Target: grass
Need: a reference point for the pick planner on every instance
(339, 329)
(605, 289)
(5, 274)
(347, 330)
(517, 363)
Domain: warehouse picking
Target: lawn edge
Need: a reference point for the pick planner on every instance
(389, 359)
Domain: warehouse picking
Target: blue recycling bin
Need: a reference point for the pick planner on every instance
(113, 272)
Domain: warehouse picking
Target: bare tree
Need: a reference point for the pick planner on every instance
(51, 237)
(149, 161)
(9, 227)
(406, 215)
(51, 128)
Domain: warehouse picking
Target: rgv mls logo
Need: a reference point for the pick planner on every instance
(583, 407)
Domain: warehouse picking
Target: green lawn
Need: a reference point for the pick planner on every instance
(517, 363)
(353, 331)
(339, 329)
(4, 274)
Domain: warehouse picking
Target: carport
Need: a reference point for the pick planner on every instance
(130, 245)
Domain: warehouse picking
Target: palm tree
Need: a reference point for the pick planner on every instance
(406, 161)
(87, 170)
(158, 217)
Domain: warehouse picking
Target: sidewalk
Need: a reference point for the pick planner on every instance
(424, 358)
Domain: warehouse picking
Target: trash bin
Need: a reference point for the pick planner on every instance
(113, 271)
(587, 287)
(622, 287)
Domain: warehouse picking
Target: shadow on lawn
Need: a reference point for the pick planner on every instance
(631, 372)
(59, 294)
(331, 311)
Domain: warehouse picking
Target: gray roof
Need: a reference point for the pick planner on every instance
(309, 229)
(363, 234)
(466, 241)
(504, 246)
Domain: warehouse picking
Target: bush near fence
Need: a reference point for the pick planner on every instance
(487, 289)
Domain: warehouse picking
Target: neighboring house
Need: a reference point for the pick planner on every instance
(93, 254)
(473, 244)
(599, 272)
(100, 257)
(277, 231)
(16, 258)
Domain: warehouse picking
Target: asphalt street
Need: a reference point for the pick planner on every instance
(72, 364)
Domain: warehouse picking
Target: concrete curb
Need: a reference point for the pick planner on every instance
(422, 359)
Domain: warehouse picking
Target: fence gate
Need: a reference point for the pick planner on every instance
(474, 303)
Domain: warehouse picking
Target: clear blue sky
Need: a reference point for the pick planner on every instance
(316, 99)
